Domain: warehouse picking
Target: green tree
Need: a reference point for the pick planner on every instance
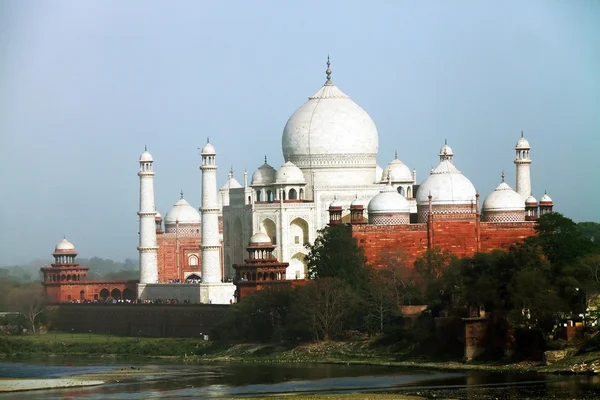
(327, 306)
(29, 300)
(336, 254)
(560, 238)
(428, 270)
(590, 230)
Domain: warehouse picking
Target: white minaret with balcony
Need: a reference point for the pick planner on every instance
(147, 248)
(523, 163)
(213, 289)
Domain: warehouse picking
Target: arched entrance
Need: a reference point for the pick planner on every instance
(104, 293)
(128, 294)
(115, 294)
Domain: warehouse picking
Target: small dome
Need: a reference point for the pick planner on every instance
(64, 245)
(531, 201)
(522, 144)
(146, 157)
(264, 175)
(388, 201)
(231, 183)
(398, 172)
(158, 215)
(503, 198)
(447, 185)
(260, 238)
(183, 213)
(545, 199)
(446, 150)
(208, 149)
(289, 174)
(336, 204)
(357, 203)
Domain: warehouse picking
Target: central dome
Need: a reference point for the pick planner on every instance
(328, 130)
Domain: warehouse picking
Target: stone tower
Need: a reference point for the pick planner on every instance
(147, 248)
(523, 163)
(211, 270)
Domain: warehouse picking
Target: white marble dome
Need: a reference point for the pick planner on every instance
(64, 245)
(260, 238)
(264, 175)
(208, 149)
(446, 150)
(231, 183)
(146, 157)
(531, 201)
(397, 172)
(447, 185)
(503, 198)
(158, 215)
(183, 213)
(545, 199)
(330, 125)
(522, 144)
(388, 201)
(289, 174)
(336, 204)
(357, 203)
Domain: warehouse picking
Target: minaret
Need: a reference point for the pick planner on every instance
(211, 266)
(523, 163)
(147, 248)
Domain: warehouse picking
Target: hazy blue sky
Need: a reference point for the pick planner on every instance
(84, 85)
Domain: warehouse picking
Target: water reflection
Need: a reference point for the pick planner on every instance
(203, 381)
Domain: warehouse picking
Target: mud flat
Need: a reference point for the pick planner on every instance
(16, 385)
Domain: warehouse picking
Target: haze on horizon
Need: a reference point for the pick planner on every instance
(85, 85)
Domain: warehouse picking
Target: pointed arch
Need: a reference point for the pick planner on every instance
(293, 195)
(270, 228)
(298, 268)
(299, 232)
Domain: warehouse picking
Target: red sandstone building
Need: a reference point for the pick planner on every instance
(66, 281)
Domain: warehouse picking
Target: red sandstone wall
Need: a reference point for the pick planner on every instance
(502, 236)
(71, 291)
(460, 237)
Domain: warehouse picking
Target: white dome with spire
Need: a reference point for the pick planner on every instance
(522, 143)
(397, 172)
(330, 126)
(146, 156)
(265, 175)
(64, 245)
(260, 238)
(182, 213)
(289, 174)
(208, 148)
(503, 198)
(545, 199)
(336, 203)
(388, 201)
(531, 200)
(447, 185)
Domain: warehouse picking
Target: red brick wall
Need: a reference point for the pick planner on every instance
(62, 292)
(458, 236)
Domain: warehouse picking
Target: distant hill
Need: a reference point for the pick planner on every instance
(100, 268)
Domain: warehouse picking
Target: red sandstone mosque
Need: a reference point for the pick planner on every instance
(255, 234)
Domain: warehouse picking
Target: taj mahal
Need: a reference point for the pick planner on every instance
(330, 147)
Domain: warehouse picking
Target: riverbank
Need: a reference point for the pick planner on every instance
(17, 385)
(193, 350)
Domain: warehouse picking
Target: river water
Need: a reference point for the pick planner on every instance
(239, 380)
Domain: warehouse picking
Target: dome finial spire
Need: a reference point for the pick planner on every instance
(328, 72)
(502, 175)
(181, 193)
(265, 158)
(395, 154)
(521, 133)
(207, 140)
(145, 147)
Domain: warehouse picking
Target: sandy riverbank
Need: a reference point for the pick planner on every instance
(14, 385)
